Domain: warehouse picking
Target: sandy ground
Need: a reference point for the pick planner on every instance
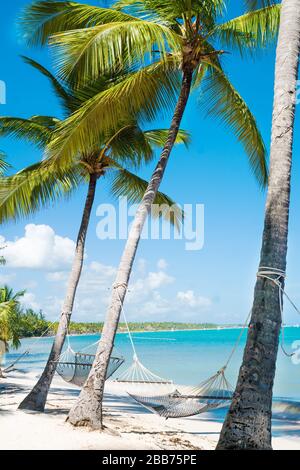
(128, 426)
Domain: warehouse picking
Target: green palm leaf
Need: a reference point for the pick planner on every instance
(4, 166)
(65, 97)
(125, 183)
(45, 18)
(10, 316)
(251, 30)
(32, 130)
(109, 47)
(223, 101)
(158, 137)
(157, 91)
(37, 186)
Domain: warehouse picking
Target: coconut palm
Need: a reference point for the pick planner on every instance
(3, 167)
(9, 319)
(170, 48)
(248, 423)
(38, 184)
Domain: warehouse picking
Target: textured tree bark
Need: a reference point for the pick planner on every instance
(88, 409)
(36, 399)
(248, 422)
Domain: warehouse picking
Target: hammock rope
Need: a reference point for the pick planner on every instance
(137, 377)
(216, 391)
(277, 277)
(74, 367)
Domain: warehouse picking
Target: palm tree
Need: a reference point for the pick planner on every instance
(3, 168)
(9, 319)
(168, 46)
(35, 186)
(248, 423)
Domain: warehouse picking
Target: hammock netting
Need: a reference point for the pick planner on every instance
(214, 393)
(74, 367)
(138, 379)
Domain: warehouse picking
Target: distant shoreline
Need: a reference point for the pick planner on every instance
(217, 328)
(134, 331)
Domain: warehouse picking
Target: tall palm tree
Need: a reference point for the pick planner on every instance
(248, 423)
(9, 319)
(3, 167)
(36, 185)
(169, 46)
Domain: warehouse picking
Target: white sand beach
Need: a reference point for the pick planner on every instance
(128, 426)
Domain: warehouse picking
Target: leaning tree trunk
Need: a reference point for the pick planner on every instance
(88, 409)
(248, 422)
(3, 350)
(36, 399)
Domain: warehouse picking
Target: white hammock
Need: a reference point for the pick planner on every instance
(137, 378)
(214, 393)
(74, 367)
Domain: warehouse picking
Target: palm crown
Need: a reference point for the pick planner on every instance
(40, 183)
(154, 41)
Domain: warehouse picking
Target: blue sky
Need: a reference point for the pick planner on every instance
(169, 283)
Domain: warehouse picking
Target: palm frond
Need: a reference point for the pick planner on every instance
(32, 130)
(66, 99)
(223, 101)
(35, 187)
(85, 54)
(158, 137)
(125, 183)
(252, 30)
(4, 166)
(130, 144)
(42, 19)
(141, 94)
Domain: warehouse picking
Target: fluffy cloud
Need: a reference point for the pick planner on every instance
(162, 264)
(29, 301)
(192, 300)
(7, 278)
(39, 248)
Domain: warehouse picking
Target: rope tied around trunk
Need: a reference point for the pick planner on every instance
(278, 276)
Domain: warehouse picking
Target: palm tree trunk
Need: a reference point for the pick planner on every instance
(88, 409)
(3, 350)
(248, 422)
(36, 399)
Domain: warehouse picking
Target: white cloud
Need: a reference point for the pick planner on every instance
(7, 278)
(152, 295)
(162, 264)
(192, 300)
(31, 284)
(39, 248)
(141, 266)
(104, 270)
(29, 301)
(57, 276)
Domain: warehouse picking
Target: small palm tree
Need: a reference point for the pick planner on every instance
(33, 187)
(171, 49)
(9, 319)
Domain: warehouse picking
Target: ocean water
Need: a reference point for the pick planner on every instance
(186, 357)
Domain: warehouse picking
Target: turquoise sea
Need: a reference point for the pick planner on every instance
(186, 357)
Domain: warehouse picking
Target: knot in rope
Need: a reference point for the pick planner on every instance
(272, 274)
(277, 276)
